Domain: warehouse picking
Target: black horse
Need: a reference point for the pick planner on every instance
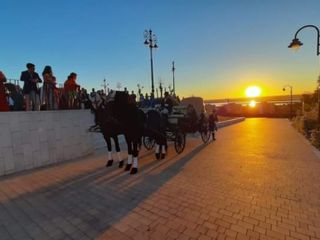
(118, 114)
(110, 128)
(126, 112)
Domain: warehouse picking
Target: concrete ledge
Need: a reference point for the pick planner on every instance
(33, 139)
(230, 122)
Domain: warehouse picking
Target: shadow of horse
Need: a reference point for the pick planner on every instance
(90, 204)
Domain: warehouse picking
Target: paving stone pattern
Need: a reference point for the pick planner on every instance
(259, 180)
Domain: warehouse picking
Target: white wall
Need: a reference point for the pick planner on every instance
(33, 139)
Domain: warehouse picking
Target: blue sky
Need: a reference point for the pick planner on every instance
(219, 47)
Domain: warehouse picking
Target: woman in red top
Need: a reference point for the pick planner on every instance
(4, 106)
(71, 90)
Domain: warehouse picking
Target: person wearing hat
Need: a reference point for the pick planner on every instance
(30, 88)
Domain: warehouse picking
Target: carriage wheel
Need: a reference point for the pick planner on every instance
(179, 142)
(148, 142)
(205, 133)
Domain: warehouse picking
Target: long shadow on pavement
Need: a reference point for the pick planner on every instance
(89, 205)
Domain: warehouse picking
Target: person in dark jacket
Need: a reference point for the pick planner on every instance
(168, 102)
(213, 120)
(30, 88)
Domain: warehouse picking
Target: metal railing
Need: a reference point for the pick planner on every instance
(13, 81)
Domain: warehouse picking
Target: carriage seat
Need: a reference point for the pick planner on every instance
(178, 112)
(174, 118)
(180, 109)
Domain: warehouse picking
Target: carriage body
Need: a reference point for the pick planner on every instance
(190, 115)
(187, 117)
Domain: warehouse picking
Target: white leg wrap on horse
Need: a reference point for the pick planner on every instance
(135, 162)
(163, 150)
(157, 148)
(119, 156)
(109, 155)
(129, 159)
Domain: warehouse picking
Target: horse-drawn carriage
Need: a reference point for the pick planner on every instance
(187, 117)
(117, 114)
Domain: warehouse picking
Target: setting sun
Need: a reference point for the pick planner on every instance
(253, 91)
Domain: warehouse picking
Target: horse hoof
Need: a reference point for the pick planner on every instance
(121, 164)
(128, 166)
(109, 163)
(134, 171)
(157, 156)
(163, 156)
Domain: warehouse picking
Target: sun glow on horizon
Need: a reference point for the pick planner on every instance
(252, 103)
(253, 91)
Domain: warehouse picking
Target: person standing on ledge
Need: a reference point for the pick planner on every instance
(48, 87)
(4, 106)
(71, 90)
(30, 88)
(213, 120)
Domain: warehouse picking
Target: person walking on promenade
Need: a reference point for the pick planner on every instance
(49, 84)
(30, 88)
(213, 120)
(71, 90)
(4, 106)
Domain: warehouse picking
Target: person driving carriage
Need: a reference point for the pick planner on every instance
(167, 102)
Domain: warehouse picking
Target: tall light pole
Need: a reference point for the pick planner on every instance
(296, 44)
(161, 87)
(151, 41)
(174, 87)
(284, 88)
(105, 86)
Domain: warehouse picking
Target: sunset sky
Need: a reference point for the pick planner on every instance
(219, 47)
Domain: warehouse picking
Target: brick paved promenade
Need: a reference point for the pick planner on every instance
(259, 180)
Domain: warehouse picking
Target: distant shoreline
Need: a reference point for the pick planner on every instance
(281, 98)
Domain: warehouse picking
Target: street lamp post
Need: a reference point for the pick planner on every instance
(151, 42)
(105, 86)
(173, 80)
(284, 88)
(160, 88)
(296, 44)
